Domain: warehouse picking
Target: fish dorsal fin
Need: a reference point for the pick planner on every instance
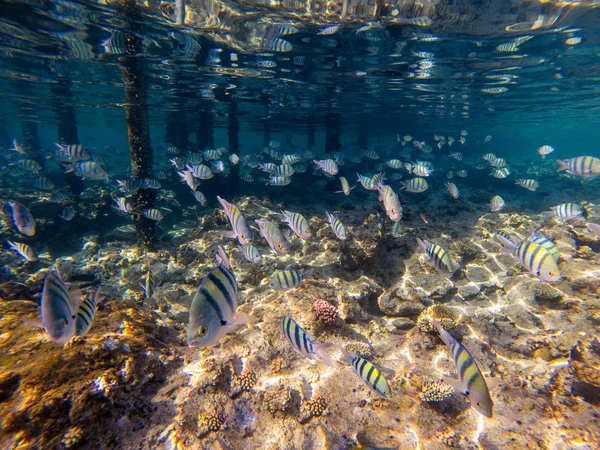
(74, 297)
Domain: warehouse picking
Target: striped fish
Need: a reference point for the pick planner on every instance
(302, 343)
(327, 165)
(279, 181)
(438, 257)
(200, 171)
(545, 150)
(498, 163)
(149, 285)
(471, 381)
(457, 156)
(74, 152)
(187, 177)
(268, 167)
(369, 183)
(86, 312)
(152, 214)
(367, 372)
(217, 166)
(241, 229)
(543, 241)
(159, 174)
(497, 203)
(500, 173)
(123, 205)
(68, 213)
(370, 154)
(57, 309)
(488, 156)
(528, 184)
(199, 196)
(462, 173)
(23, 250)
(502, 233)
(18, 148)
(277, 45)
(284, 170)
(345, 187)
(567, 211)
(213, 310)
(285, 279)
(535, 258)
(274, 237)
(246, 177)
(452, 190)
(251, 253)
(89, 170)
(328, 31)
(22, 218)
(582, 166)
(30, 165)
(291, 159)
(337, 226)
(298, 224)
(394, 164)
(211, 154)
(415, 185)
(234, 159)
(151, 183)
(42, 182)
(391, 202)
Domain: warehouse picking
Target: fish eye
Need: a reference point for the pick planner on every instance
(242, 236)
(479, 404)
(202, 331)
(278, 245)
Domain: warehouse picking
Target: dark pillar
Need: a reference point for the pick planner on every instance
(5, 140)
(232, 133)
(66, 124)
(332, 133)
(136, 113)
(204, 132)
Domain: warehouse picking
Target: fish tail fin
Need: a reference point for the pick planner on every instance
(69, 168)
(222, 257)
(422, 244)
(562, 165)
(507, 246)
(322, 354)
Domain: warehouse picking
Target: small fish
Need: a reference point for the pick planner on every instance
(457, 156)
(74, 152)
(419, 169)
(394, 164)
(438, 257)
(371, 154)
(68, 213)
(274, 237)
(18, 148)
(152, 214)
(327, 165)
(500, 173)
(199, 196)
(22, 219)
(178, 163)
(42, 182)
(251, 253)
(531, 185)
(498, 163)
(246, 177)
(489, 157)
(291, 159)
(200, 171)
(285, 279)
(240, 228)
(149, 285)
(213, 310)
(567, 211)
(151, 183)
(187, 177)
(471, 383)
(367, 372)
(582, 166)
(24, 250)
(487, 139)
(345, 186)
(284, 170)
(337, 226)
(217, 166)
(88, 170)
(423, 218)
(370, 183)
(59, 196)
(302, 342)
(545, 150)
(57, 309)
(277, 45)
(391, 202)
(210, 155)
(497, 203)
(123, 205)
(328, 31)
(234, 159)
(462, 173)
(298, 224)
(268, 167)
(159, 174)
(279, 181)
(86, 313)
(452, 190)
(415, 185)
(29, 165)
(535, 258)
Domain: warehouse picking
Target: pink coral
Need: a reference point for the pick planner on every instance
(326, 312)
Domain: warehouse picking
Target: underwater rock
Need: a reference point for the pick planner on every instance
(403, 324)
(545, 292)
(363, 249)
(394, 306)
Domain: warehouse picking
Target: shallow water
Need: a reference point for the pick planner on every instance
(138, 85)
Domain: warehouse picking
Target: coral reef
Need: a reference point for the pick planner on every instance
(325, 312)
(434, 391)
(441, 313)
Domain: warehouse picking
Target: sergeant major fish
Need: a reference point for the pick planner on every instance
(274, 237)
(22, 218)
(471, 381)
(337, 226)
(438, 257)
(535, 258)
(285, 279)
(345, 186)
(213, 312)
(367, 372)
(86, 313)
(302, 342)
(251, 253)
(582, 166)
(298, 224)
(23, 250)
(241, 229)
(57, 309)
